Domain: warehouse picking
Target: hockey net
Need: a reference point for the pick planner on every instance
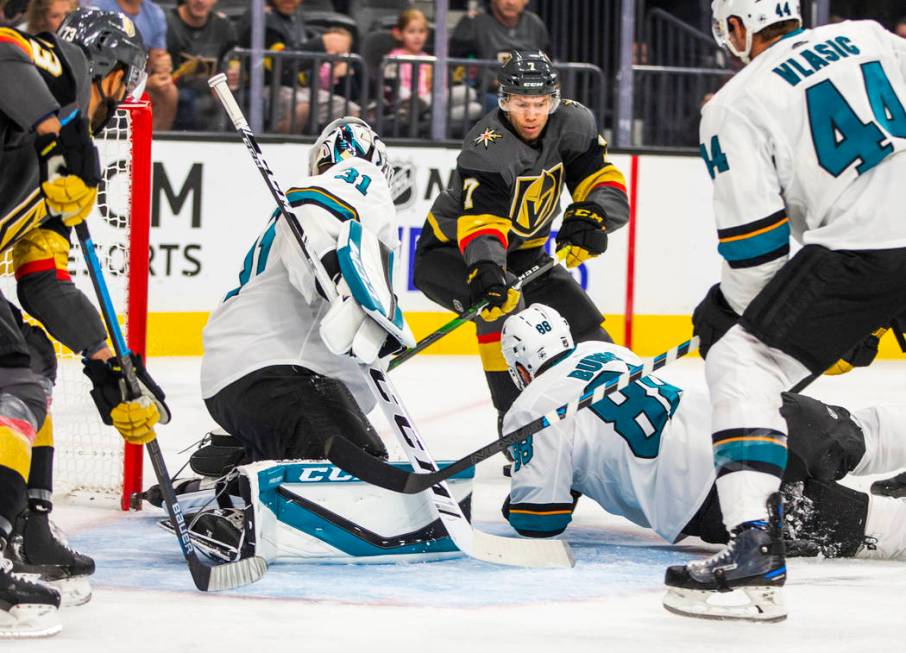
(90, 458)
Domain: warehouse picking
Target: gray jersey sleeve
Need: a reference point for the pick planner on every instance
(32, 100)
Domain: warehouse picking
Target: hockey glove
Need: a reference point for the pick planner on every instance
(135, 420)
(114, 404)
(862, 355)
(712, 318)
(70, 171)
(488, 281)
(583, 234)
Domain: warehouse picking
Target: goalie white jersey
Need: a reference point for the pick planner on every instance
(808, 140)
(272, 317)
(643, 453)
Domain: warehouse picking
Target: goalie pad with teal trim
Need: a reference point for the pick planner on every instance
(367, 267)
(312, 511)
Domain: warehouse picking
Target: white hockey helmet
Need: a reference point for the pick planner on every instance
(348, 137)
(755, 16)
(533, 337)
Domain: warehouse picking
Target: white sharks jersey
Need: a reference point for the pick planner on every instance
(272, 315)
(643, 453)
(808, 140)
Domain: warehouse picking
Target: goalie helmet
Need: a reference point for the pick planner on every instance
(528, 72)
(532, 338)
(349, 137)
(109, 41)
(755, 16)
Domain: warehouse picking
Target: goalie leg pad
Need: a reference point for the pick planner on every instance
(311, 511)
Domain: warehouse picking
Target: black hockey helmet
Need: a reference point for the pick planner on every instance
(528, 72)
(109, 41)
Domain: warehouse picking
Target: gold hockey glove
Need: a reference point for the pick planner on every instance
(861, 355)
(488, 281)
(135, 420)
(583, 234)
(69, 170)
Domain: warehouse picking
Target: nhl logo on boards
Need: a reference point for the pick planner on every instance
(402, 187)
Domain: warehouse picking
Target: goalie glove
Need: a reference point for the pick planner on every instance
(364, 320)
(133, 417)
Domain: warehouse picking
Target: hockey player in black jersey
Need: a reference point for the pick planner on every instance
(493, 221)
(55, 91)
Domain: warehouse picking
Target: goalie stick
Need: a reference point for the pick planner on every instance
(372, 470)
(474, 543)
(207, 578)
(529, 275)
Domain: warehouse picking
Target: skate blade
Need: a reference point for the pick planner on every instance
(29, 620)
(755, 603)
(73, 591)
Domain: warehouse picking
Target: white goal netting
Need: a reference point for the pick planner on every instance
(89, 457)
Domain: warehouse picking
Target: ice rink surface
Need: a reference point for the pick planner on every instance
(611, 601)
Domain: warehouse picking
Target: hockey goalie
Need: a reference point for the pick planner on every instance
(282, 372)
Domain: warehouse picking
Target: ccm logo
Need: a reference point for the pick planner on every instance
(326, 473)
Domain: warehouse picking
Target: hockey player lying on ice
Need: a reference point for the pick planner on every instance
(645, 452)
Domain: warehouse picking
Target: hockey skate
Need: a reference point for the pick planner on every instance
(38, 551)
(27, 609)
(742, 582)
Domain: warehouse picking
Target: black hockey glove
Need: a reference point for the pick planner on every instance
(488, 281)
(583, 234)
(70, 171)
(109, 386)
(711, 319)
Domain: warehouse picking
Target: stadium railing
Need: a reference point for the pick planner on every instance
(668, 103)
(288, 73)
(399, 113)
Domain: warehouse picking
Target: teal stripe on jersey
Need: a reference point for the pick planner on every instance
(324, 199)
(539, 523)
(756, 246)
(771, 453)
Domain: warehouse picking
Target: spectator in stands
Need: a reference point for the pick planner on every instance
(47, 15)
(900, 28)
(411, 32)
(12, 12)
(197, 40)
(151, 23)
(285, 30)
(508, 27)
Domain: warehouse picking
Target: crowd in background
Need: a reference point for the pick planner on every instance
(190, 40)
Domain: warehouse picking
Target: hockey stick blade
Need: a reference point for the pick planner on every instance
(372, 470)
(205, 577)
(526, 277)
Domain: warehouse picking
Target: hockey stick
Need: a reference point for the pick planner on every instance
(529, 275)
(483, 546)
(372, 470)
(207, 578)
